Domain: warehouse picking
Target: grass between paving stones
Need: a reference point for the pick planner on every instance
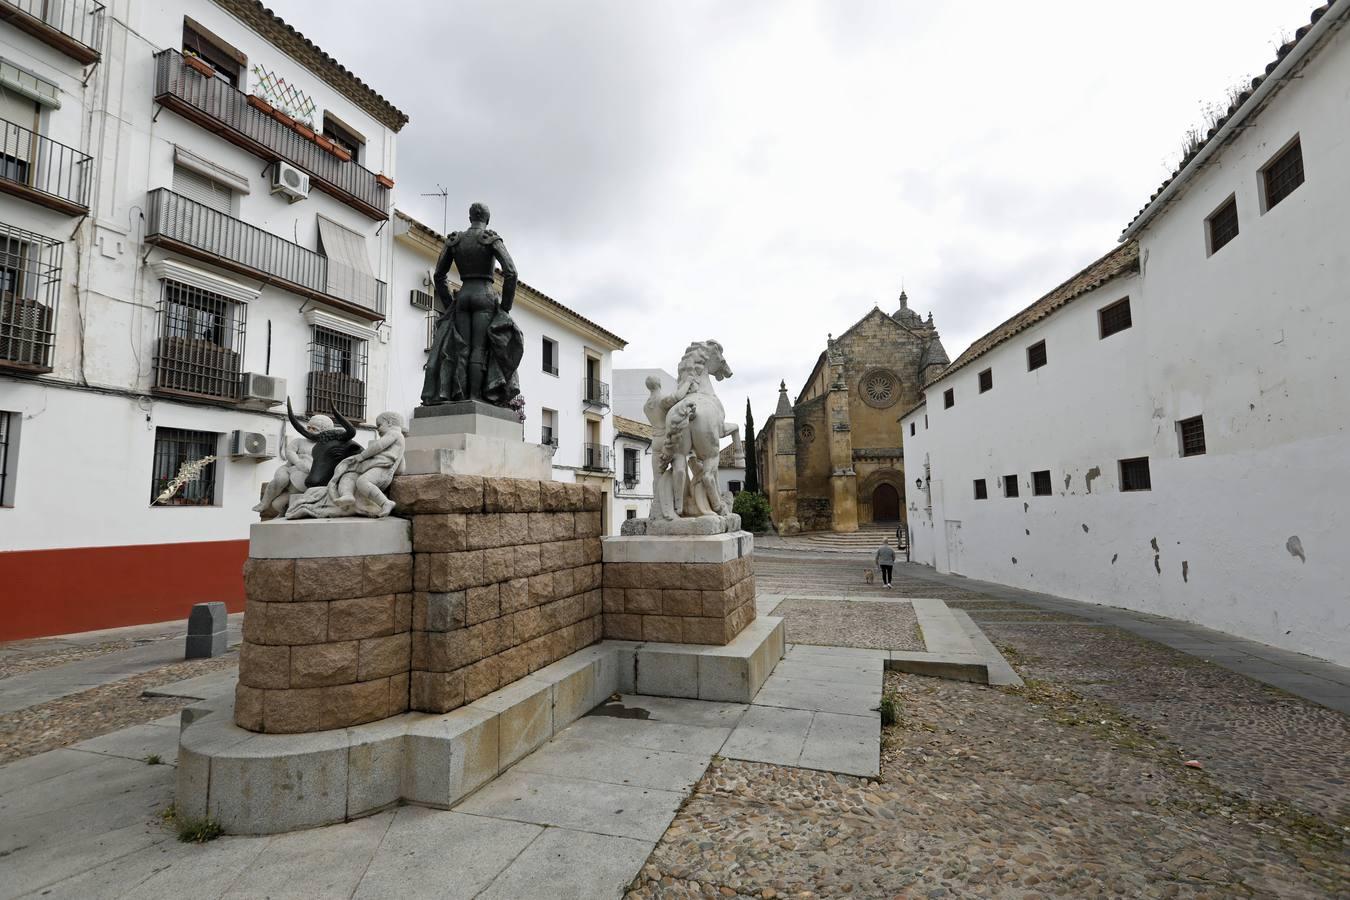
(191, 831)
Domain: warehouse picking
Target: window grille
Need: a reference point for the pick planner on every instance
(1114, 318)
(30, 290)
(1284, 174)
(201, 342)
(337, 374)
(1040, 483)
(630, 467)
(1192, 432)
(1223, 225)
(986, 380)
(174, 448)
(595, 457)
(630, 514)
(949, 398)
(981, 489)
(1010, 485)
(6, 430)
(550, 356)
(1134, 474)
(1036, 355)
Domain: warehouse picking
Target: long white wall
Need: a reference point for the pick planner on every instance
(1253, 338)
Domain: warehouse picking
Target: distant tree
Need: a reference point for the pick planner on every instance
(751, 462)
(753, 508)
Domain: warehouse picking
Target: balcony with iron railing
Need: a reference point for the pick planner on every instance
(75, 27)
(44, 171)
(184, 226)
(219, 107)
(595, 393)
(595, 457)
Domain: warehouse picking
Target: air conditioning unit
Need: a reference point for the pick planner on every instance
(252, 445)
(263, 391)
(288, 180)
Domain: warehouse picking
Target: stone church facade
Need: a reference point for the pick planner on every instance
(835, 460)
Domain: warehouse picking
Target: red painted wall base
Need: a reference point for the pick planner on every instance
(87, 588)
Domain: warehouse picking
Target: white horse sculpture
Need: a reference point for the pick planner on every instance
(694, 427)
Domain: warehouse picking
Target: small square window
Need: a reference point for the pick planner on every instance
(981, 489)
(1114, 318)
(734, 487)
(949, 398)
(1222, 225)
(178, 452)
(1010, 485)
(1192, 435)
(1040, 483)
(986, 380)
(1282, 175)
(1036, 355)
(1134, 475)
(550, 349)
(912, 429)
(630, 514)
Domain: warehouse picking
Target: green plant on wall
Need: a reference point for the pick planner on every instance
(283, 95)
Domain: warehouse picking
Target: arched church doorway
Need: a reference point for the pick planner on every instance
(885, 504)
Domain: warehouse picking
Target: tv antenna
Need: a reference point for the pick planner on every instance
(445, 206)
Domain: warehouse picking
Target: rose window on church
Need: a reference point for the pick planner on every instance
(880, 388)
(807, 433)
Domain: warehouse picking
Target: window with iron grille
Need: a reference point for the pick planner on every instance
(201, 342)
(8, 421)
(30, 289)
(981, 489)
(1222, 225)
(1036, 355)
(176, 448)
(1134, 474)
(630, 466)
(986, 380)
(1114, 318)
(1283, 174)
(1040, 483)
(550, 356)
(630, 514)
(337, 374)
(1192, 434)
(949, 398)
(1010, 485)
(548, 431)
(431, 319)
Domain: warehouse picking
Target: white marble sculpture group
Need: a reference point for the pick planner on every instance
(359, 481)
(687, 430)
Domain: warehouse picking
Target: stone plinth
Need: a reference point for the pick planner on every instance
(507, 580)
(473, 438)
(683, 590)
(694, 525)
(326, 636)
(467, 417)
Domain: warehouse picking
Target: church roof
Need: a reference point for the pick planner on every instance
(1123, 260)
(933, 355)
(784, 405)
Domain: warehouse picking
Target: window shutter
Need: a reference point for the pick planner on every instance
(208, 193)
(19, 110)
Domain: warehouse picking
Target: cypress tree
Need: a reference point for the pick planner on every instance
(751, 462)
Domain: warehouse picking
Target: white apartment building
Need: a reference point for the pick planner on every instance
(564, 376)
(194, 202)
(632, 469)
(1166, 431)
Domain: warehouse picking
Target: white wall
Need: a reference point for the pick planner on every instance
(637, 498)
(1253, 338)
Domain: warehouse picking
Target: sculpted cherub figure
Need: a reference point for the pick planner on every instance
(289, 478)
(362, 479)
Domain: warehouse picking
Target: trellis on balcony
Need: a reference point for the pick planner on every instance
(337, 374)
(30, 291)
(201, 343)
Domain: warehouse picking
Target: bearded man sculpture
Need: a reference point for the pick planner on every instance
(476, 348)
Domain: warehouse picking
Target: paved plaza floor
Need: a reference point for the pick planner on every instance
(1072, 780)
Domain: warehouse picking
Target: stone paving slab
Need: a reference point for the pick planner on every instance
(617, 810)
(137, 743)
(653, 736)
(562, 864)
(203, 687)
(602, 760)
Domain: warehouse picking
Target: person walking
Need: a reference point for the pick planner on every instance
(885, 560)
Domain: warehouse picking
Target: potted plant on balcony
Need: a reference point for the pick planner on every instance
(282, 117)
(200, 65)
(260, 104)
(384, 181)
(340, 152)
(303, 129)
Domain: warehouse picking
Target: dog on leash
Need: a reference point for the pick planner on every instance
(869, 576)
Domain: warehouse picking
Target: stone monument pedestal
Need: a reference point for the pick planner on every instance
(682, 589)
(473, 438)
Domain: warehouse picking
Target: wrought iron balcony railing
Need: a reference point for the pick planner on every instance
(44, 171)
(194, 229)
(595, 457)
(31, 268)
(75, 27)
(218, 107)
(595, 392)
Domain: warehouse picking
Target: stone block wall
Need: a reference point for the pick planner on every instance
(506, 580)
(678, 602)
(326, 642)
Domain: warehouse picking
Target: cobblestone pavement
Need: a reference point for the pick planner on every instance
(99, 710)
(1074, 786)
(873, 625)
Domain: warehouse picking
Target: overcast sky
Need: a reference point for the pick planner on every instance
(764, 171)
